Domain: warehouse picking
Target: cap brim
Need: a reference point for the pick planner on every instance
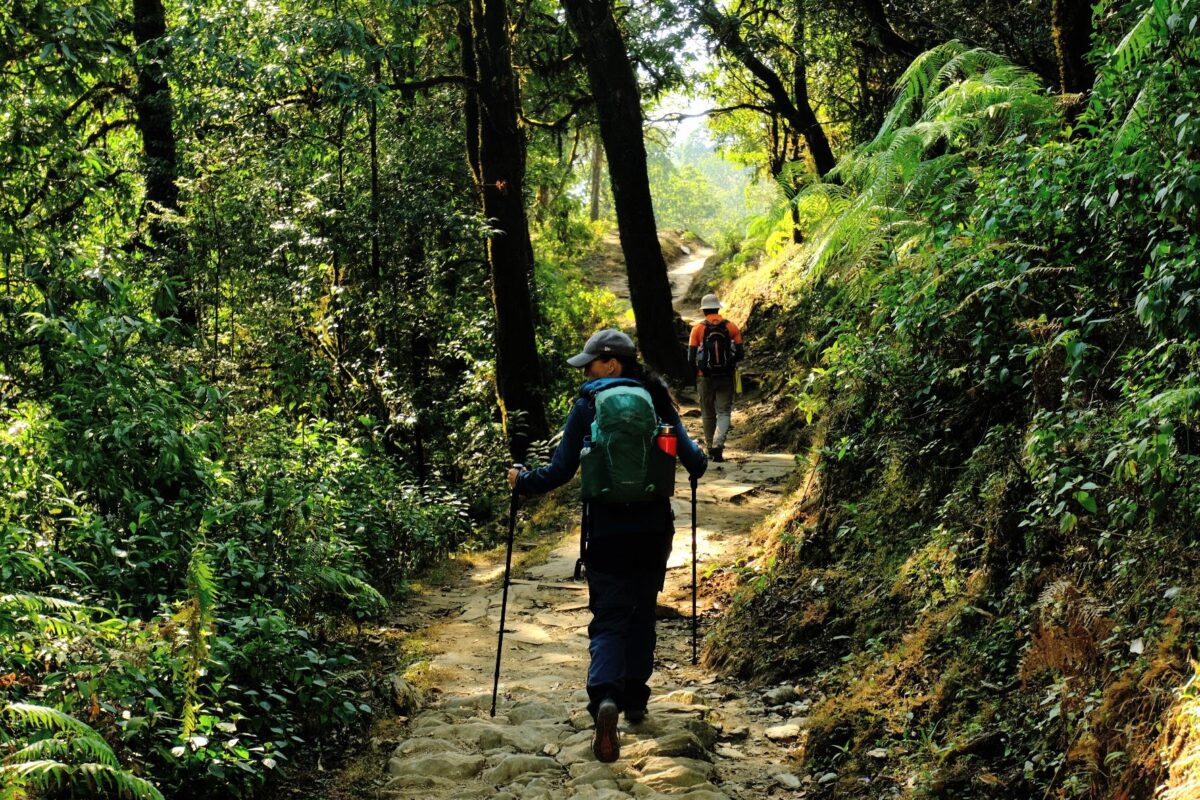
(582, 360)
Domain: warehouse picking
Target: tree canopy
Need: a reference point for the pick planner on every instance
(285, 285)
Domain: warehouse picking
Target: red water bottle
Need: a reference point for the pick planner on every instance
(666, 440)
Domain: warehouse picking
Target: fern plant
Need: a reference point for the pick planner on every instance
(1152, 34)
(55, 750)
(951, 101)
(198, 617)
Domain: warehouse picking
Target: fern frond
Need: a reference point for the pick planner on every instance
(201, 583)
(48, 773)
(940, 175)
(199, 618)
(36, 603)
(42, 773)
(72, 620)
(1005, 284)
(964, 64)
(1132, 125)
(1181, 402)
(47, 718)
(1133, 47)
(350, 586)
(47, 762)
(121, 782)
(915, 83)
(90, 748)
(793, 177)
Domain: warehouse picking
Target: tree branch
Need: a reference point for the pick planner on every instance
(428, 83)
(679, 116)
(889, 40)
(560, 124)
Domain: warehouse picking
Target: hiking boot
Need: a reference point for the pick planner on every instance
(717, 454)
(606, 743)
(635, 715)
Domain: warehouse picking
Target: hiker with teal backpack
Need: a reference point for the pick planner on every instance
(625, 431)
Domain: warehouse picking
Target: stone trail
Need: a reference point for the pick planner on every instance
(704, 738)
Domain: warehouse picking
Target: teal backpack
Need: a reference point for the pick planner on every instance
(624, 464)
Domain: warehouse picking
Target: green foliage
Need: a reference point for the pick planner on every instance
(68, 754)
(696, 189)
(996, 321)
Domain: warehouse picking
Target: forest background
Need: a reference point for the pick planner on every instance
(284, 283)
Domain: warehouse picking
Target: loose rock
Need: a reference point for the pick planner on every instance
(780, 696)
(519, 766)
(782, 733)
(788, 780)
(440, 765)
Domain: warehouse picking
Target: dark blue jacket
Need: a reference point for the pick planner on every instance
(621, 536)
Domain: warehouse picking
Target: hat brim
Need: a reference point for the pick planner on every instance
(582, 360)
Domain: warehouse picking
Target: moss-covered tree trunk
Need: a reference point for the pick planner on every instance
(1071, 28)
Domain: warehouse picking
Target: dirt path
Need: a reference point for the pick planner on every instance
(704, 737)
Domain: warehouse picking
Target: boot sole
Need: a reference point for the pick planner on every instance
(606, 744)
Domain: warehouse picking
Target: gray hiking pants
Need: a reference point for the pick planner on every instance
(716, 404)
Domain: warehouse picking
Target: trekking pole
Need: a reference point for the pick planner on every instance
(512, 527)
(695, 660)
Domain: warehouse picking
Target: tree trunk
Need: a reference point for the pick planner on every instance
(618, 102)
(1071, 28)
(798, 113)
(597, 173)
(154, 111)
(889, 40)
(509, 251)
(466, 35)
(373, 135)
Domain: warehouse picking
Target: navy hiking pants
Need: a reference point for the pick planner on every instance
(622, 637)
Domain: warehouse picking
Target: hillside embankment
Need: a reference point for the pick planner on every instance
(957, 650)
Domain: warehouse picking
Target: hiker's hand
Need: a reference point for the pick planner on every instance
(513, 474)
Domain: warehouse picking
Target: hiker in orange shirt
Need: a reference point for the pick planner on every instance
(714, 349)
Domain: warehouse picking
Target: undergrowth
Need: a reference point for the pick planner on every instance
(990, 334)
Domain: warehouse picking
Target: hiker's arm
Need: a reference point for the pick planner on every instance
(691, 356)
(565, 462)
(690, 455)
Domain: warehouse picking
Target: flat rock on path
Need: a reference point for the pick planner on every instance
(704, 737)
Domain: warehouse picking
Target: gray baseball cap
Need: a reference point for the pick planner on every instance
(608, 343)
(710, 301)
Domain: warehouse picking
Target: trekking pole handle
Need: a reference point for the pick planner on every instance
(519, 468)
